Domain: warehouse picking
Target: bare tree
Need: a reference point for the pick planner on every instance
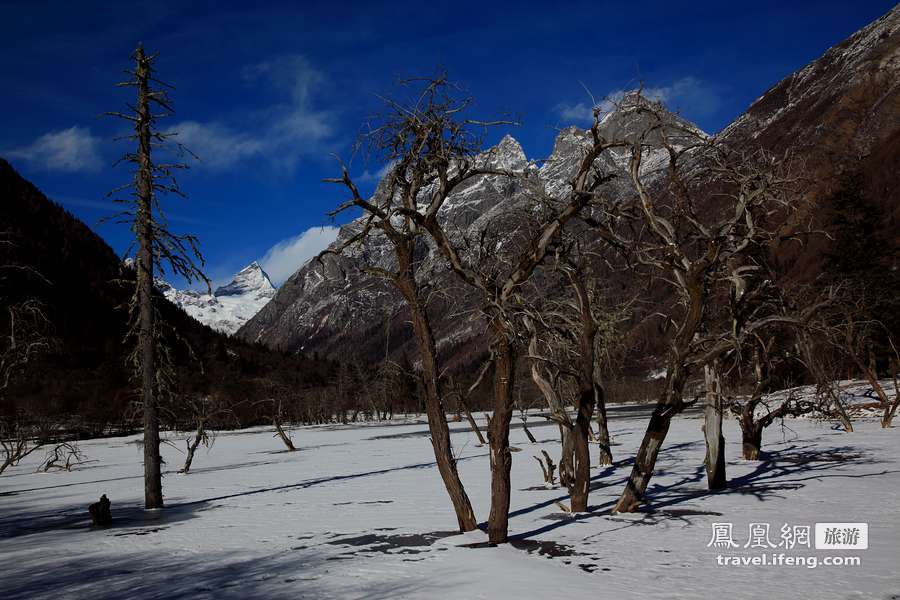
(26, 336)
(750, 300)
(25, 331)
(760, 408)
(577, 336)
(462, 399)
(858, 344)
(62, 456)
(498, 282)
(690, 242)
(430, 153)
(204, 412)
(546, 373)
(548, 469)
(22, 433)
(817, 348)
(276, 393)
(523, 416)
(157, 248)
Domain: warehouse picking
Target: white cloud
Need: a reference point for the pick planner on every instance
(281, 133)
(575, 113)
(368, 176)
(288, 255)
(217, 145)
(690, 96)
(69, 150)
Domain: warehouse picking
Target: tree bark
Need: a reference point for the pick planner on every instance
(288, 443)
(712, 432)
(567, 456)
(472, 423)
(603, 430)
(672, 401)
(751, 437)
(843, 417)
(582, 465)
(153, 497)
(501, 458)
(527, 431)
(285, 438)
(588, 395)
(434, 406)
(670, 404)
(889, 412)
(192, 448)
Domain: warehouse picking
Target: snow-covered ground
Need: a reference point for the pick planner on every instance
(360, 512)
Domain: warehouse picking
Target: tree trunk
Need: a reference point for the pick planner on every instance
(285, 438)
(567, 456)
(890, 408)
(751, 436)
(588, 396)
(472, 423)
(153, 497)
(672, 401)
(527, 431)
(582, 453)
(434, 405)
(712, 432)
(192, 448)
(669, 405)
(889, 412)
(501, 458)
(841, 411)
(603, 430)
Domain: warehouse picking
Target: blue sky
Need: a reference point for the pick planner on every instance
(266, 93)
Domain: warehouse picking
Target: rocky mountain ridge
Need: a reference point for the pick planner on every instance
(837, 115)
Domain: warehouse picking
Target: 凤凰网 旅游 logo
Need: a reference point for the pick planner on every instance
(842, 536)
(827, 536)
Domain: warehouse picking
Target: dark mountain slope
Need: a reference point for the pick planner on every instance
(83, 289)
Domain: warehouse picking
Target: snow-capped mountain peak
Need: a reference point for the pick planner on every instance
(249, 280)
(231, 305)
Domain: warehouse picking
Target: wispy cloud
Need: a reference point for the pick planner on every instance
(282, 132)
(288, 255)
(68, 150)
(689, 95)
(376, 176)
(218, 146)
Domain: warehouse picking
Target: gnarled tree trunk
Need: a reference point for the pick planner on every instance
(751, 438)
(282, 434)
(192, 446)
(498, 433)
(588, 396)
(670, 404)
(603, 438)
(434, 406)
(472, 423)
(712, 432)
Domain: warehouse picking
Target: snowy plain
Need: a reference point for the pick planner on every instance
(360, 512)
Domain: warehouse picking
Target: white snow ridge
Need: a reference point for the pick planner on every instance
(231, 305)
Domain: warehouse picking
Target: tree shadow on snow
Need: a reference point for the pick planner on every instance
(128, 519)
(786, 470)
(220, 575)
